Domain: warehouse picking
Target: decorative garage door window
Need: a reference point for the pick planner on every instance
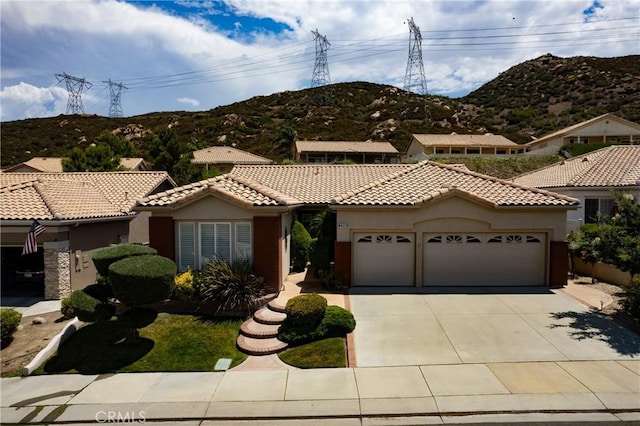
(491, 239)
(199, 243)
(384, 239)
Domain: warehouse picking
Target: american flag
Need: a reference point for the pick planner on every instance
(31, 242)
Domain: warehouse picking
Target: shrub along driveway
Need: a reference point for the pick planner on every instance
(464, 326)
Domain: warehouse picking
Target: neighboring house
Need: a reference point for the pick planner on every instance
(606, 128)
(81, 212)
(54, 165)
(421, 225)
(336, 151)
(224, 158)
(424, 146)
(591, 178)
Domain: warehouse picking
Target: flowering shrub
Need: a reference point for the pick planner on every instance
(184, 288)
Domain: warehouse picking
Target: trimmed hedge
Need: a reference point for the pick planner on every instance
(104, 257)
(305, 311)
(88, 308)
(9, 322)
(337, 322)
(141, 280)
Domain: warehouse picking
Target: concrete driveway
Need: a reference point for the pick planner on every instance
(397, 327)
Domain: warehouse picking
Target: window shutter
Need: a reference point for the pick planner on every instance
(207, 243)
(186, 251)
(243, 241)
(223, 241)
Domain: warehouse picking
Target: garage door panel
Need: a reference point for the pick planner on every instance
(483, 260)
(384, 259)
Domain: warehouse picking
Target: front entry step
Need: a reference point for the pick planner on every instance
(267, 316)
(259, 335)
(252, 346)
(251, 328)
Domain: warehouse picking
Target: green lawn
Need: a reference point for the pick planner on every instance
(170, 343)
(326, 353)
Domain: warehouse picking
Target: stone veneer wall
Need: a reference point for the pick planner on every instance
(57, 276)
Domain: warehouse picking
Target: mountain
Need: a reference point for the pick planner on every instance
(529, 99)
(549, 93)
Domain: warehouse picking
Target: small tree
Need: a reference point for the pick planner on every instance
(622, 235)
(586, 244)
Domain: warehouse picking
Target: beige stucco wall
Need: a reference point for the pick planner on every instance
(211, 207)
(602, 272)
(452, 214)
(139, 228)
(86, 239)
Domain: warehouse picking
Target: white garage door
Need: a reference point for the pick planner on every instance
(483, 259)
(383, 259)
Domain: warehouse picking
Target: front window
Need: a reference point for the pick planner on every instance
(200, 243)
(593, 206)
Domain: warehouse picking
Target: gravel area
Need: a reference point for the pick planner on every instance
(614, 310)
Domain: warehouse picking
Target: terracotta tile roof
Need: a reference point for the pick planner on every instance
(373, 185)
(464, 140)
(54, 164)
(226, 155)
(573, 128)
(346, 147)
(316, 184)
(614, 166)
(232, 188)
(74, 195)
(428, 180)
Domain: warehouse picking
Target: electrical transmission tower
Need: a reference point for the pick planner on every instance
(116, 90)
(414, 79)
(321, 68)
(75, 86)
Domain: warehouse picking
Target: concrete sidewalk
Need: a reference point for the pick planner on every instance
(556, 392)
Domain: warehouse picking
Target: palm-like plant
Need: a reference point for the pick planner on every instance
(233, 286)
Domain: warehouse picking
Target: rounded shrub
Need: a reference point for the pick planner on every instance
(305, 311)
(66, 308)
(141, 280)
(337, 322)
(9, 322)
(631, 300)
(104, 257)
(300, 246)
(87, 308)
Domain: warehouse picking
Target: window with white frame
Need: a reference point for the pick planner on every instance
(200, 243)
(187, 244)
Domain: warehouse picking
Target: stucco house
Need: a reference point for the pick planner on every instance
(606, 128)
(420, 225)
(224, 158)
(366, 152)
(590, 178)
(81, 212)
(54, 165)
(424, 146)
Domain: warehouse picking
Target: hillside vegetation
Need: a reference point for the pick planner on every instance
(532, 98)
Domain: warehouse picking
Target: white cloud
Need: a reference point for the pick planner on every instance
(189, 101)
(162, 57)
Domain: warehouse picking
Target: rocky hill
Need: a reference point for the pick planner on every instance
(532, 98)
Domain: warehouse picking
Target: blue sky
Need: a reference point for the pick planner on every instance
(196, 55)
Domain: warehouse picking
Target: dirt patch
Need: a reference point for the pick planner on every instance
(29, 340)
(613, 310)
